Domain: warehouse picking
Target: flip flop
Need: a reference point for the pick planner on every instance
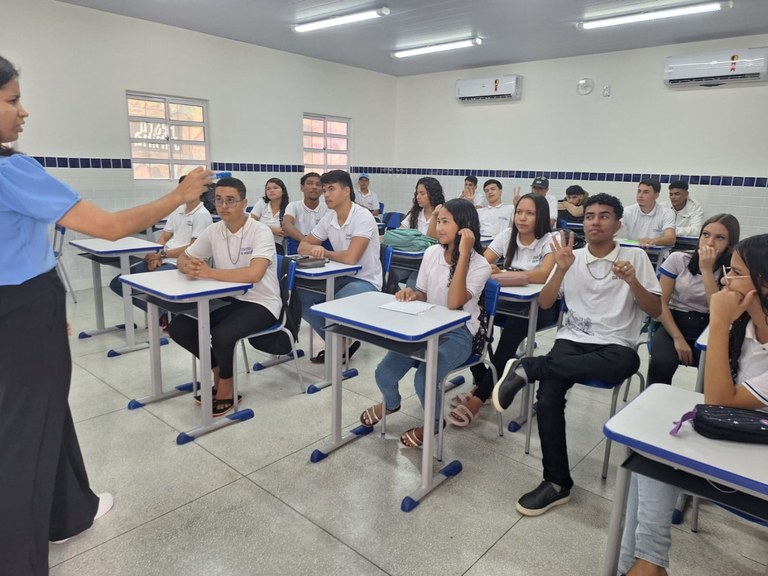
(462, 397)
(370, 418)
(410, 440)
(320, 358)
(199, 399)
(461, 416)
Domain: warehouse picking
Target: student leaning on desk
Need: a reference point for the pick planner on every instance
(44, 490)
(736, 375)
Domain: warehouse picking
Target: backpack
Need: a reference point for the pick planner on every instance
(278, 342)
(408, 240)
(481, 336)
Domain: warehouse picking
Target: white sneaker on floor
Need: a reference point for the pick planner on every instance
(106, 501)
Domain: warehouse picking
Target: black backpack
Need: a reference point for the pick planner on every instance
(278, 342)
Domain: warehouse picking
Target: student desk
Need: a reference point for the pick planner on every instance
(97, 251)
(485, 241)
(173, 286)
(686, 243)
(528, 294)
(307, 279)
(660, 252)
(361, 317)
(687, 460)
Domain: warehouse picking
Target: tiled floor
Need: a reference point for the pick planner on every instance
(246, 500)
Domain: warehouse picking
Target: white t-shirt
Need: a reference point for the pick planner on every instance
(263, 212)
(493, 219)
(688, 221)
(360, 223)
(370, 200)
(304, 217)
(753, 365)
(552, 202)
(635, 224)
(433, 281)
(184, 226)
(422, 224)
(601, 307)
(253, 240)
(526, 257)
(688, 294)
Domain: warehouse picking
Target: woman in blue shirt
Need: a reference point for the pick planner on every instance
(44, 491)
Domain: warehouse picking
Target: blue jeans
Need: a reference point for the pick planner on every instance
(347, 286)
(647, 522)
(453, 349)
(117, 287)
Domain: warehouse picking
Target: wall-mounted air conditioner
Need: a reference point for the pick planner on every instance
(499, 88)
(717, 68)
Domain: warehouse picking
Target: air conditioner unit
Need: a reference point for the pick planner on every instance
(499, 88)
(717, 68)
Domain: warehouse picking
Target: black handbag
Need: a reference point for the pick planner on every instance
(726, 423)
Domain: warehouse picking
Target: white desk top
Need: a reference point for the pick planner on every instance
(521, 293)
(635, 244)
(127, 245)
(644, 426)
(701, 341)
(362, 311)
(331, 268)
(174, 286)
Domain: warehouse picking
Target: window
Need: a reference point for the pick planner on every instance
(326, 143)
(167, 135)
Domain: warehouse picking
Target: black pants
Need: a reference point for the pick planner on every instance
(567, 363)
(228, 325)
(44, 491)
(664, 359)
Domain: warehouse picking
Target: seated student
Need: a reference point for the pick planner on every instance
(524, 247)
(270, 210)
(354, 236)
(540, 187)
(469, 192)
(688, 280)
(182, 228)
(736, 374)
(452, 274)
(301, 216)
(243, 250)
(571, 208)
(688, 212)
(608, 290)
(649, 222)
(495, 217)
(366, 197)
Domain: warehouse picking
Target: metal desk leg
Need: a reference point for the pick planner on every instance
(613, 546)
(700, 371)
(429, 481)
(530, 346)
(98, 304)
(130, 334)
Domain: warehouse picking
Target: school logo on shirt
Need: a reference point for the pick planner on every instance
(348, 236)
(246, 251)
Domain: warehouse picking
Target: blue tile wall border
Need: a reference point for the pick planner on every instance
(694, 179)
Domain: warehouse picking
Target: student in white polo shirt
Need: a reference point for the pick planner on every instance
(354, 237)
(649, 222)
(366, 197)
(301, 216)
(688, 213)
(243, 250)
(608, 290)
(496, 216)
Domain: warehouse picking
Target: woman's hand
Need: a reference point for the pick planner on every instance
(466, 242)
(728, 305)
(406, 295)
(707, 257)
(278, 231)
(684, 352)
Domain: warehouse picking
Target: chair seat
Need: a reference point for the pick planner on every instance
(273, 328)
(473, 359)
(602, 384)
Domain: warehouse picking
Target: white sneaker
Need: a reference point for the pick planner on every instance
(106, 501)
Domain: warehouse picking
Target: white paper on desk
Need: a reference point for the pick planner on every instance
(413, 307)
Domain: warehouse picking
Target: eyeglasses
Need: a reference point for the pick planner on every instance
(728, 276)
(228, 201)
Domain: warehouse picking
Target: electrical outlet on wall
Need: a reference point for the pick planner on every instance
(606, 90)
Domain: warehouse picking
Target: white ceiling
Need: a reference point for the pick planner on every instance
(512, 30)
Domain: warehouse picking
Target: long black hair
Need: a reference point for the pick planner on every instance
(732, 225)
(283, 200)
(541, 227)
(754, 252)
(7, 73)
(435, 193)
(465, 215)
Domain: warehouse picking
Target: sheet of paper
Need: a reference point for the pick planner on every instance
(414, 307)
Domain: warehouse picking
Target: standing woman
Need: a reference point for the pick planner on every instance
(270, 210)
(688, 281)
(44, 490)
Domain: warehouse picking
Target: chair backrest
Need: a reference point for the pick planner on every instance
(490, 303)
(381, 207)
(58, 240)
(291, 245)
(385, 253)
(392, 220)
(277, 341)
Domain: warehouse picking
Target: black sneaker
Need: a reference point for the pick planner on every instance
(544, 497)
(509, 384)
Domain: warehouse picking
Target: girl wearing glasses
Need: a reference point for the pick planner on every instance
(736, 375)
(270, 210)
(688, 280)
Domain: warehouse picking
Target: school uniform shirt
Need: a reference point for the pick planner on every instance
(688, 221)
(552, 203)
(304, 217)
(360, 223)
(230, 251)
(753, 366)
(601, 307)
(689, 294)
(494, 219)
(478, 200)
(30, 200)
(433, 281)
(184, 226)
(422, 224)
(370, 200)
(526, 257)
(635, 224)
(272, 219)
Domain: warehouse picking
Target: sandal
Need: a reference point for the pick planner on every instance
(462, 397)
(461, 416)
(414, 438)
(222, 407)
(370, 418)
(199, 399)
(320, 358)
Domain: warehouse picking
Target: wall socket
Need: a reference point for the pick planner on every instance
(606, 90)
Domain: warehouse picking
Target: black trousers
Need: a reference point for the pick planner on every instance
(664, 360)
(44, 491)
(228, 325)
(567, 363)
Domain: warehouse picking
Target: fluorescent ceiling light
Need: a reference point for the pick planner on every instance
(437, 48)
(653, 15)
(339, 20)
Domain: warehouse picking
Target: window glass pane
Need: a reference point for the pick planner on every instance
(179, 169)
(337, 128)
(314, 142)
(142, 171)
(196, 133)
(318, 169)
(337, 159)
(149, 130)
(149, 150)
(189, 152)
(314, 125)
(147, 108)
(187, 112)
(314, 158)
(337, 144)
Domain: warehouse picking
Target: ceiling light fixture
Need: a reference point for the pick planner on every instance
(437, 48)
(654, 15)
(339, 20)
